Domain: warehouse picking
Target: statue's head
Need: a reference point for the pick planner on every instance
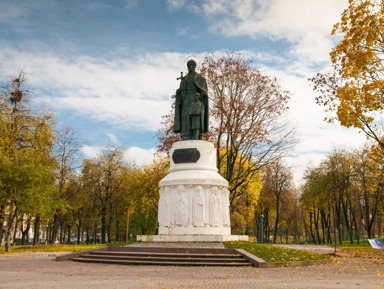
(191, 64)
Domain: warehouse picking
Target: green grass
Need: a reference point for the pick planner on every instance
(358, 250)
(271, 253)
(58, 248)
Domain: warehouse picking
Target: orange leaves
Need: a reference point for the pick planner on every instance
(355, 87)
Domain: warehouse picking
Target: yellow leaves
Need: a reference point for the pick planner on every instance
(358, 61)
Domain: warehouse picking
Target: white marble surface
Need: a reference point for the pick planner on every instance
(194, 200)
(191, 238)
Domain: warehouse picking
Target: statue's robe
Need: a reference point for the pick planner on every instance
(181, 94)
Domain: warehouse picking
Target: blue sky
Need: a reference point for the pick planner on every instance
(108, 67)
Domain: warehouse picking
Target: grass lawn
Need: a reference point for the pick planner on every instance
(56, 248)
(271, 253)
(355, 250)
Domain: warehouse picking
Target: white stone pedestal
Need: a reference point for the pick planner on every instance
(194, 198)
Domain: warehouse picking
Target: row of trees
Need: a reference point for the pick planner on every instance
(345, 190)
(43, 182)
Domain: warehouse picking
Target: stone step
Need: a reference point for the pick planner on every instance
(166, 256)
(210, 259)
(174, 255)
(163, 263)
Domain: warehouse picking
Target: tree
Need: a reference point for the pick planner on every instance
(247, 127)
(26, 143)
(370, 174)
(277, 182)
(354, 89)
(102, 180)
(346, 187)
(66, 147)
(142, 195)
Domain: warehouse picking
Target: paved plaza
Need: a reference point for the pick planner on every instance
(40, 270)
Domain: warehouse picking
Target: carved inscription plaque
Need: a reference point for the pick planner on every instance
(180, 156)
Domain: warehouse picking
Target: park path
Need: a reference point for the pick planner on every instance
(40, 270)
(312, 248)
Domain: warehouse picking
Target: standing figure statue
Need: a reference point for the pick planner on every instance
(183, 207)
(196, 114)
(214, 207)
(185, 122)
(198, 207)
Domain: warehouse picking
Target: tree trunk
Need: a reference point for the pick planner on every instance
(69, 234)
(2, 219)
(316, 223)
(324, 225)
(109, 227)
(347, 222)
(277, 219)
(95, 234)
(310, 228)
(53, 230)
(8, 241)
(287, 236)
(103, 229)
(87, 233)
(78, 231)
(61, 233)
(117, 230)
(25, 236)
(36, 230)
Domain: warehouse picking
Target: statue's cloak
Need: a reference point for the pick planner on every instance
(201, 83)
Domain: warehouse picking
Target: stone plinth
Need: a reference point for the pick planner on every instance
(194, 198)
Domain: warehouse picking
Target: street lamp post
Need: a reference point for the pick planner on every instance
(261, 236)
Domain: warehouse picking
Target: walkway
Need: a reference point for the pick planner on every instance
(313, 248)
(39, 270)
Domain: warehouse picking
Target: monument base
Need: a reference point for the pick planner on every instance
(193, 196)
(190, 238)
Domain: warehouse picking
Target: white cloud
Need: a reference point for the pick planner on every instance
(317, 138)
(139, 155)
(128, 93)
(112, 138)
(306, 24)
(175, 4)
(91, 152)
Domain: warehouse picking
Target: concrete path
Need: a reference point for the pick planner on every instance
(313, 248)
(40, 270)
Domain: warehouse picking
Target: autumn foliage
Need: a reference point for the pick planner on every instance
(354, 88)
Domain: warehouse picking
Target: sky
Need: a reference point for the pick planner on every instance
(108, 68)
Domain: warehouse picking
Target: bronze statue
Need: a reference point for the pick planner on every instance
(191, 110)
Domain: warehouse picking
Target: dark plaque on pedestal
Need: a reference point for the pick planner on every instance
(180, 156)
